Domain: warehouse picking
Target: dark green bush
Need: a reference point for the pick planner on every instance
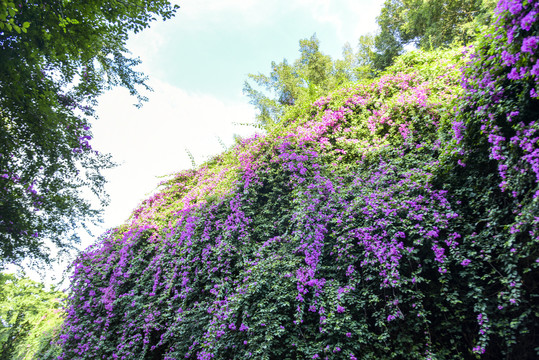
(388, 220)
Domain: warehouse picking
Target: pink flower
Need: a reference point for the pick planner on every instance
(528, 20)
(535, 70)
(529, 44)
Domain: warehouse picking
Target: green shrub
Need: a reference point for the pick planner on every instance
(392, 219)
(30, 319)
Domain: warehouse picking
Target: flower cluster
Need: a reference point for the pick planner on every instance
(496, 137)
(359, 229)
(277, 241)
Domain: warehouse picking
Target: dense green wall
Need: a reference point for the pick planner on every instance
(393, 219)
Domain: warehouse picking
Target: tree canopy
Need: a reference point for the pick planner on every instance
(427, 25)
(30, 317)
(307, 78)
(56, 58)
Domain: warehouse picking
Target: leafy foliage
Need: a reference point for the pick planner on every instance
(269, 250)
(427, 25)
(496, 139)
(309, 77)
(7, 21)
(30, 318)
(390, 219)
(56, 58)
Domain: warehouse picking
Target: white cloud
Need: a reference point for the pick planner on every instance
(349, 18)
(151, 141)
(201, 13)
(345, 16)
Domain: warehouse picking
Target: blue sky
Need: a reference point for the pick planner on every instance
(210, 46)
(197, 63)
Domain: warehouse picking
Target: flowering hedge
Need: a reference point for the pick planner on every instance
(494, 170)
(370, 224)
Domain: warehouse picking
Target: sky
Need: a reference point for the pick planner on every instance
(196, 64)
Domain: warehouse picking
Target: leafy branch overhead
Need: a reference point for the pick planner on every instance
(7, 20)
(56, 58)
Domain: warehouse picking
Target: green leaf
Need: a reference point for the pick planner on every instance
(37, 112)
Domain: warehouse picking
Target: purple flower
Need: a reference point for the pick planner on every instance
(513, 6)
(527, 21)
(508, 58)
(465, 262)
(478, 350)
(529, 44)
(535, 70)
(458, 127)
(514, 75)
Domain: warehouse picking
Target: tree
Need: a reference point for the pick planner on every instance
(30, 317)
(427, 25)
(56, 58)
(388, 43)
(7, 11)
(307, 78)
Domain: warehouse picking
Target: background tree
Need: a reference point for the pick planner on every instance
(56, 58)
(30, 317)
(365, 56)
(427, 25)
(307, 78)
(388, 43)
(357, 64)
